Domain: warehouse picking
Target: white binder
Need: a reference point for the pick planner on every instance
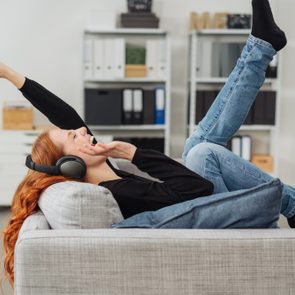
(98, 59)
(119, 58)
(246, 147)
(162, 60)
(152, 58)
(236, 145)
(109, 62)
(88, 59)
(137, 100)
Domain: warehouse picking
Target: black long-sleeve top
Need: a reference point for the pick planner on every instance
(133, 194)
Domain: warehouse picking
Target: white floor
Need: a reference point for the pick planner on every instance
(4, 216)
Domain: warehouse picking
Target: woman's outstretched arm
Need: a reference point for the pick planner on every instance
(54, 108)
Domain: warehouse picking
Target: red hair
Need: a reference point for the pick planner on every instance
(25, 200)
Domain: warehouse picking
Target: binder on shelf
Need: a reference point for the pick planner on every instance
(236, 145)
(98, 59)
(199, 106)
(149, 107)
(109, 65)
(264, 112)
(160, 106)
(127, 106)
(88, 59)
(119, 58)
(152, 58)
(137, 106)
(246, 147)
(258, 111)
(162, 59)
(270, 107)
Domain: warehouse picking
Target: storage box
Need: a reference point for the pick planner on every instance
(264, 162)
(17, 118)
(135, 71)
(103, 106)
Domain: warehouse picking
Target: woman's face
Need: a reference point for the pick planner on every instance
(70, 140)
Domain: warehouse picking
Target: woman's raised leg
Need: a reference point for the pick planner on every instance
(234, 101)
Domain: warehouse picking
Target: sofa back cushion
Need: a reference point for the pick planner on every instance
(258, 207)
(76, 205)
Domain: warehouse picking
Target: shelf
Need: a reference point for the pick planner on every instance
(127, 31)
(222, 80)
(126, 80)
(257, 127)
(225, 32)
(130, 127)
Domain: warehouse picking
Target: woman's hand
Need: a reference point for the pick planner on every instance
(115, 149)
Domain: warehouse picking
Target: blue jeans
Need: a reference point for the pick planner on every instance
(205, 152)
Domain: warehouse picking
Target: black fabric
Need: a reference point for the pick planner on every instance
(264, 26)
(134, 194)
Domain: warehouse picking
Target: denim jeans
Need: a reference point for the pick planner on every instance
(205, 151)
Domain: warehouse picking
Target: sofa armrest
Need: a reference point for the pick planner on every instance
(140, 261)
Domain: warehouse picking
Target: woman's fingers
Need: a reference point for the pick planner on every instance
(95, 150)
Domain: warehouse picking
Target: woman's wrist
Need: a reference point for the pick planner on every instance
(131, 153)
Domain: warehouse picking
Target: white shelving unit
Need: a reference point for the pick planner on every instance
(139, 36)
(264, 136)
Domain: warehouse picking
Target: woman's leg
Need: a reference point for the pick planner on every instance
(15, 78)
(233, 103)
(228, 172)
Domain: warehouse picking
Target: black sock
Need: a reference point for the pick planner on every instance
(291, 222)
(264, 26)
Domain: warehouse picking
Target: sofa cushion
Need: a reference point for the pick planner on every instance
(79, 205)
(257, 207)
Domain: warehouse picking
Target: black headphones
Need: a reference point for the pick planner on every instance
(69, 166)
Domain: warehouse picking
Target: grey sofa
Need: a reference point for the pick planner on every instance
(148, 261)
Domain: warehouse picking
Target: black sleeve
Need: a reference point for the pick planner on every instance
(54, 108)
(174, 174)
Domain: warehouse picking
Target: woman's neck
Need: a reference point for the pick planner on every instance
(100, 173)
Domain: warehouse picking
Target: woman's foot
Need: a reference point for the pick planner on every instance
(264, 26)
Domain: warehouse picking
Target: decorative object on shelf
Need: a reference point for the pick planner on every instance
(135, 62)
(17, 115)
(199, 21)
(135, 55)
(139, 5)
(220, 20)
(139, 15)
(239, 21)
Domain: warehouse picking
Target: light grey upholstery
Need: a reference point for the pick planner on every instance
(160, 262)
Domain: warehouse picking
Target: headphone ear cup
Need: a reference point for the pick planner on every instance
(72, 166)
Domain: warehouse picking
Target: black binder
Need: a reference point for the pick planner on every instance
(149, 107)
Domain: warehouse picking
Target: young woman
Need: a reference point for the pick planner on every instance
(210, 168)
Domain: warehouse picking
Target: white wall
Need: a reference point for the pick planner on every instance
(43, 40)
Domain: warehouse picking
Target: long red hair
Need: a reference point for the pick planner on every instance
(25, 200)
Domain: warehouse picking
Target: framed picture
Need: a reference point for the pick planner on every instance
(139, 5)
